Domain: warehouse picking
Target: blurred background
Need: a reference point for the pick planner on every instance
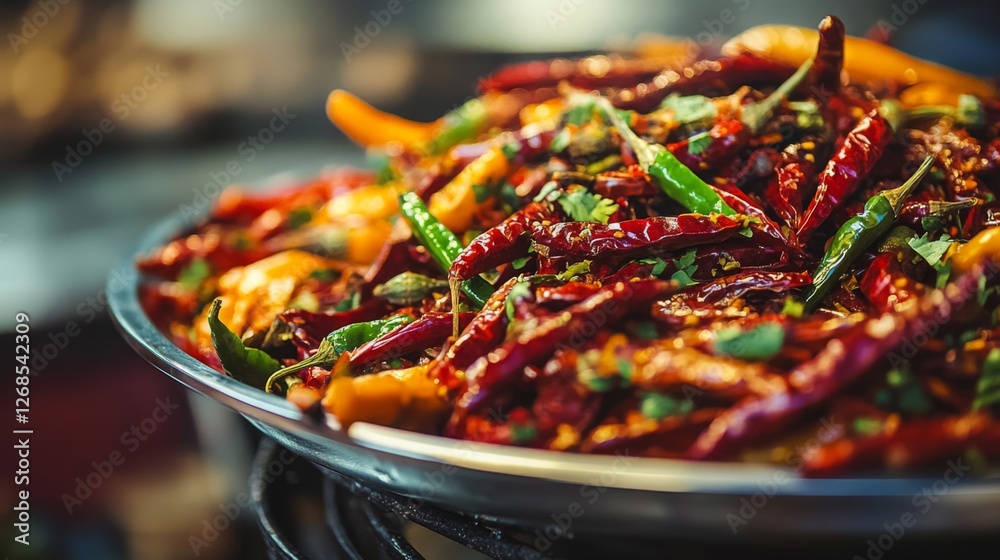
(115, 114)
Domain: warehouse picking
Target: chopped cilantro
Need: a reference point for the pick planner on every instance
(867, 426)
(685, 269)
(931, 251)
(944, 274)
(518, 264)
(792, 308)
(194, 274)
(522, 433)
(348, 303)
(904, 394)
(699, 143)
(482, 192)
(690, 108)
(580, 114)
(324, 275)
(583, 206)
(988, 389)
(656, 406)
(548, 192)
(760, 343)
(659, 265)
(575, 269)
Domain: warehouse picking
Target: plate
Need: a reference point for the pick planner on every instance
(555, 494)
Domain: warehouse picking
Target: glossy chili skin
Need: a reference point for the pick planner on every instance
(728, 138)
(633, 181)
(851, 240)
(742, 283)
(441, 243)
(914, 211)
(792, 174)
(482, 334)
(763, 226)
(430, 330)
(857, 234)
(725, 74)
(633, 238)
(854, 160)
(500, 368)
(311, 328)
(885, 285)
(500, 244)
(840, 362)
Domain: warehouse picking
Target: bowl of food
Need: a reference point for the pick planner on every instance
(741, 295)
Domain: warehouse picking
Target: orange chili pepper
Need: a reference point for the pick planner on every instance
(368, 126)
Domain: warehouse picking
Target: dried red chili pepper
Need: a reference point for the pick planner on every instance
(590, 72)
(632, 238)
(725, 74)
(854, 159)
(742, 283)
(743, 204)
(841, 362)
(885, 285)
(311, 328)
(497, 370)
(829, 59)
(500, 244)
(728, 137)
(430, 330)
(633, 181)
(482, 334)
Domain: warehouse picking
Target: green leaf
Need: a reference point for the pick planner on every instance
(690, 108)
(583, 206)
(519, 290)
(249, 365)
(760, 343)
(510, 150)
(575, 269)
(988, 389)
(931, 251)
(683, 279)
(194, 274)
(944, 274)
(580, 114)
(657, 406)
(687, 260)
(560, 142)
(519, 263)
(699, 143)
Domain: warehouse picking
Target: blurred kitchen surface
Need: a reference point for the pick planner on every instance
(114, 114)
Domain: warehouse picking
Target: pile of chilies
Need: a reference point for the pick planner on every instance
(769, 256)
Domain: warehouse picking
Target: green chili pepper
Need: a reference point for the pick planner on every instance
(344, 339)
(441, 243)
(461, 123)
(858, 233)
(676, 180)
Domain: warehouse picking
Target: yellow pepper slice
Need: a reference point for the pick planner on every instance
(455, 204)
(364, 241)
(369, 127)
(372, 202)
(864, 59)
(405, 398)
(985, 245)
